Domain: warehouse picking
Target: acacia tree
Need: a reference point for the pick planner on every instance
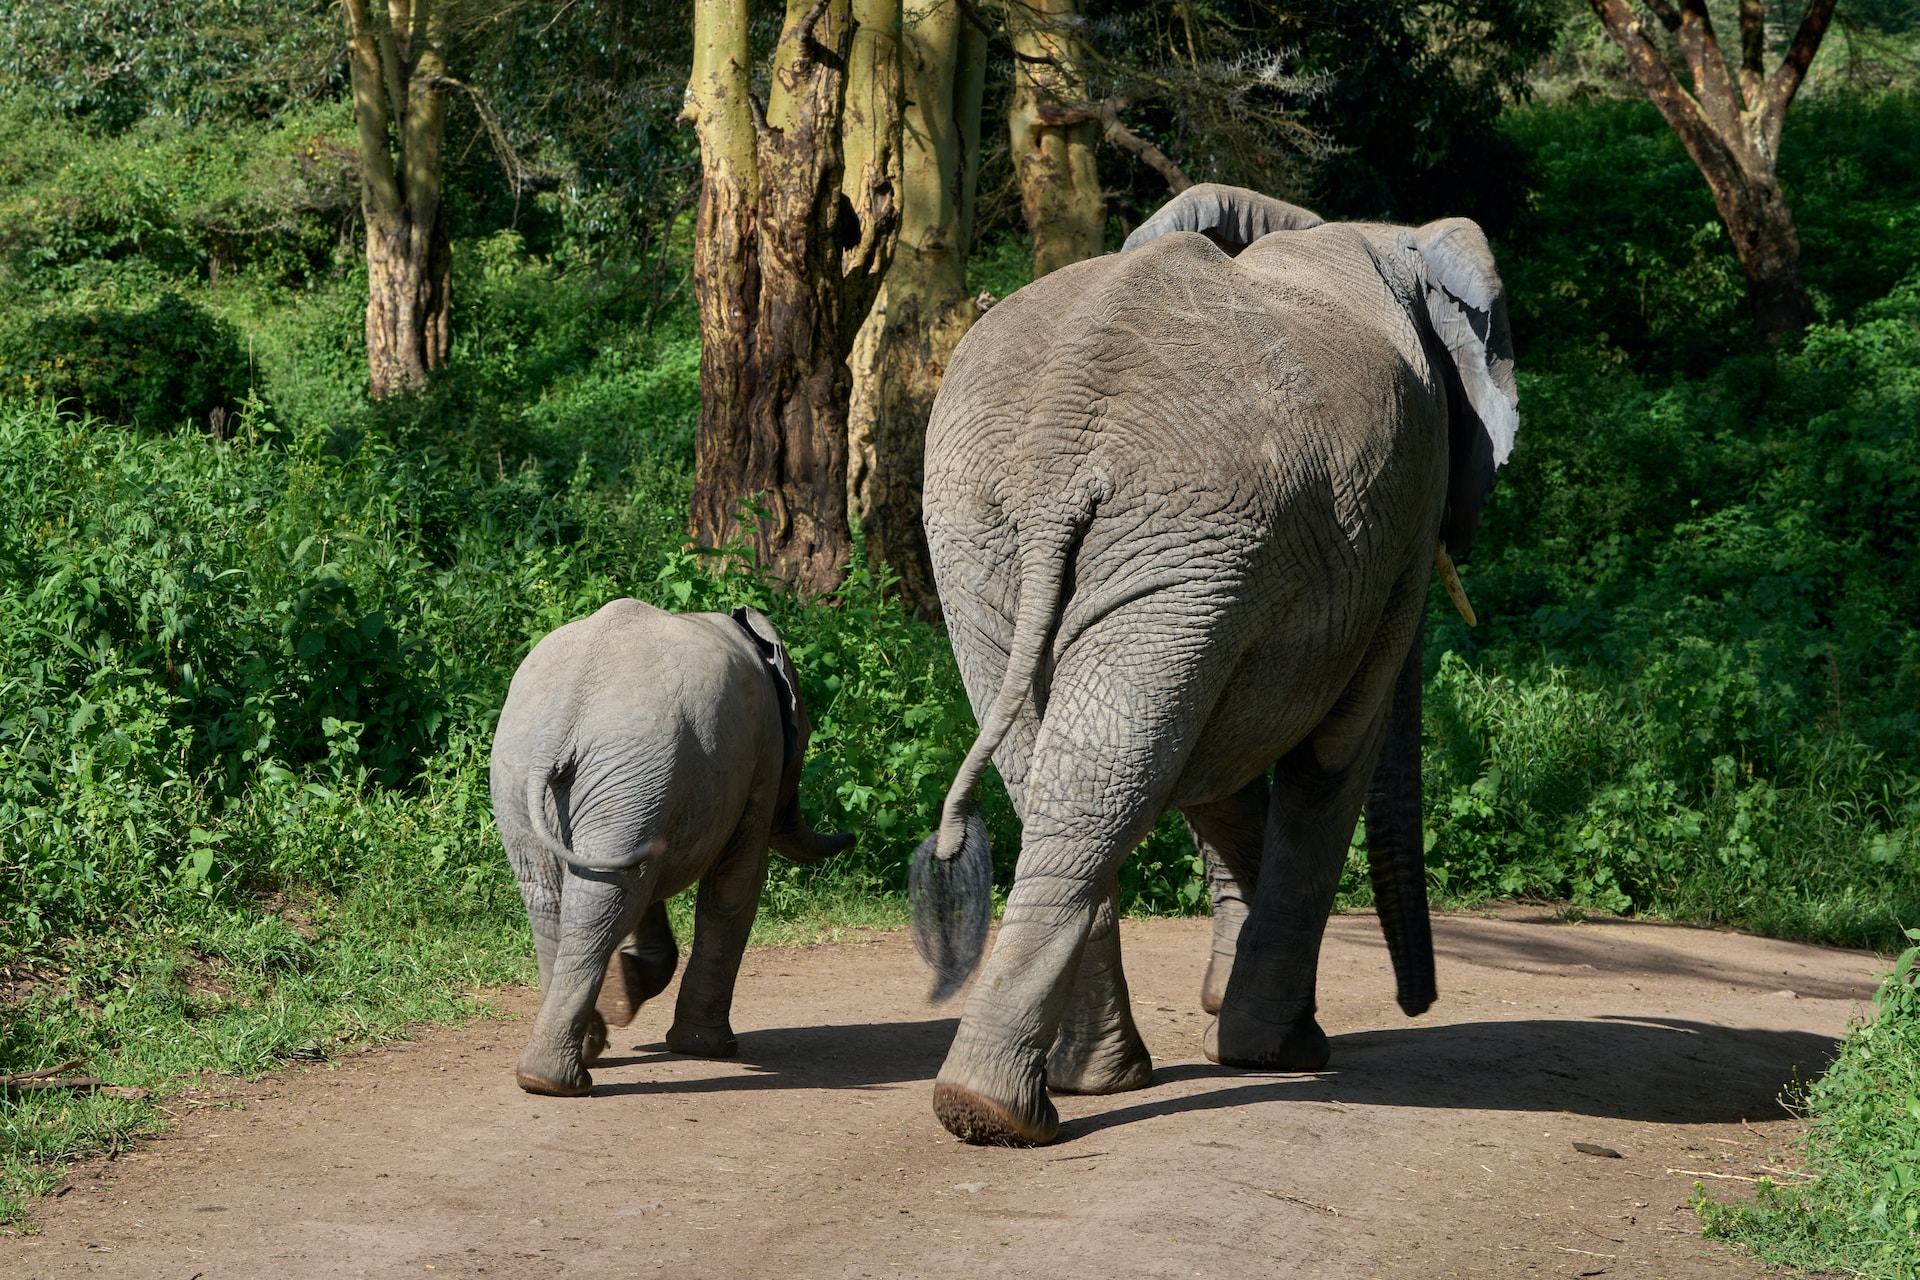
(789, 247)
(397, 60)
(1731, 126)
(923, 309)
(1054, 160)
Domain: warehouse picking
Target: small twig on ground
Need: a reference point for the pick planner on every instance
(1769, 1174)
(41, 1074)
(1585, 1252)
(1302, 1201)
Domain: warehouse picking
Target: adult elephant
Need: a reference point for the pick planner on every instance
(1183, 502)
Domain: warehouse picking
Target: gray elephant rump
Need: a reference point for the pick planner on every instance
(1243, 426)
(615, 713)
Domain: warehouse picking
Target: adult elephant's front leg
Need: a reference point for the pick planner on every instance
(1229, 834)
(1098, 1048)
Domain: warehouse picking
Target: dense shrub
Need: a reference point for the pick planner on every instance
(153, 366)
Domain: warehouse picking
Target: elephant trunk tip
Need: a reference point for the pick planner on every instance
(1416, 998)
(952, 903)
(803, 845)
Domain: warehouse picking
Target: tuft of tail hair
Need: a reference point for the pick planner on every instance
(952, 901)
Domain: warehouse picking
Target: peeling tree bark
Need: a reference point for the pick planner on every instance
(779, 247)
(397, 61)
(924, 310)
(1060, 196)
(1731, 126)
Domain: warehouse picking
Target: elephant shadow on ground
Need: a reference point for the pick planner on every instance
(856, 1056)
(1659, 1070)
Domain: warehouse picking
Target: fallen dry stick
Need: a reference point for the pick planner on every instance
(50, 1078)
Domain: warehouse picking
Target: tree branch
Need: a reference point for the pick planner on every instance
(1753, 51)
(1108, 114)
(1657, 80)
(1793, 69)
(378, 180)
(520, 174)
(1712, 86)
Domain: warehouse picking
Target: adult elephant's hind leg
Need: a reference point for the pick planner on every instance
(1098, 1048)
(1229, 834)
(1267, 1017)
(1087, 804)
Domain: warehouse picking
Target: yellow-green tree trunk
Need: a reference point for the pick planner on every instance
(925, 308)
(778, 248)
(397, 63)
(1060, 196)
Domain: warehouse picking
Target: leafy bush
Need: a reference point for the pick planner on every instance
(153, 366)
(1859, 1208)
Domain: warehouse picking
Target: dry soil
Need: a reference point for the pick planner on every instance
(1441, 1146)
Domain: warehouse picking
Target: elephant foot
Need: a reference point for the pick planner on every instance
(553, 1088)
(698, 1041)
(593, 1039)
(542, 1074)
(1112, 1063)
(1213, 987)
(1242, 1042)
(622, 991)
(971, 1117)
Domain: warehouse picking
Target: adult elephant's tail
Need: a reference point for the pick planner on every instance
(950, 883)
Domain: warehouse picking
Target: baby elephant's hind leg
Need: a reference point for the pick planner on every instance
(722, 919)
(640, 968)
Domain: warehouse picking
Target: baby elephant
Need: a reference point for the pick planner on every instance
(640, 751)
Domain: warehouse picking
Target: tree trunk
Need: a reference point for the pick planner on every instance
(1731, 125)
(925, 309)
(1754, 208)
(398, 66)
(1060, 195)
(780, 240)
(726, 275)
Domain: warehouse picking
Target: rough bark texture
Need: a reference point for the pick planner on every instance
(398, 67)
(1060, 196)
(924, 309)
(726, 275)
(1731, 126)
(779, 248)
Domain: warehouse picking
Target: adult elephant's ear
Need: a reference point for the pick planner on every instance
(1231, 217)
(1468, 308)
(791, 835)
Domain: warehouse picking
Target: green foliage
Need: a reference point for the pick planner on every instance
(1858, 1211)
(1621, 258)
(109, 63)
(152, 208)
(1696, 686)
(153, 366)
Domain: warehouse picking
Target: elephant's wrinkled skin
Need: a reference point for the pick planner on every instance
(1183, 507)
(640, 751)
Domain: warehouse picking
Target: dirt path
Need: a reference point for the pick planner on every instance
(1437, 1147)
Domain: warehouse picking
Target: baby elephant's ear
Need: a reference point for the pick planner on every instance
(794, 729)
(1468, 308)
(1231, 217)
(791, 836)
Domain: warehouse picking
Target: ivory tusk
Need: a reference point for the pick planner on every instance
(1450, 579)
